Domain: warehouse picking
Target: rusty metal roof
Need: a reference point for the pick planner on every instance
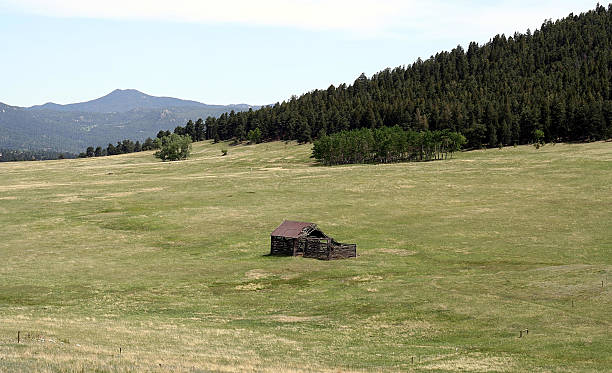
(291, 229)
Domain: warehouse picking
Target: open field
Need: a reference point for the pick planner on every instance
(167, 262)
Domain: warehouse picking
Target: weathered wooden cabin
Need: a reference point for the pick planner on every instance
(295, 238)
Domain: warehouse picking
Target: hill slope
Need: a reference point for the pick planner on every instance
(119, 115)
(556, 79)
(123, 100)
(167, 261)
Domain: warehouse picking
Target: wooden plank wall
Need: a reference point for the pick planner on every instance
(326, 250)
(281, 246)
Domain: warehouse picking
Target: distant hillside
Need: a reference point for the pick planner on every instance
(122, 100)
(556, 80)
(119, 115)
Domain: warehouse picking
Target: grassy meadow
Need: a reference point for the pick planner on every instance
(167, 261)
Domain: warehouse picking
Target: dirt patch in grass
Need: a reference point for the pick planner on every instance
(366, 278)
(399, 252)
(256, 274)
(473, 363)
(565, 268)
(291, 319)
(8, 188)
(251, 286)
(130, 193)
(148, 190)
(68, 199)
(116, 195)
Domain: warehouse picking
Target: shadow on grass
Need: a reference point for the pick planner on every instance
(271, 256)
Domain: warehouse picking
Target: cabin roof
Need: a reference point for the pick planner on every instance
(290, 228)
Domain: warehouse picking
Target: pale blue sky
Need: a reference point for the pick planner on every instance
(235, 51)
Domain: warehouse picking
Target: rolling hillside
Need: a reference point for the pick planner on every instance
(119, 115)
(123, 100)
(167, 262)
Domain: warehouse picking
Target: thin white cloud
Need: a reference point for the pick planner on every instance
(362, 17)
(307, 14)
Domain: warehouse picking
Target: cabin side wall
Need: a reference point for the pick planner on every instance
(327, 249)
(316, 248)
(281, 245)
(342, 251)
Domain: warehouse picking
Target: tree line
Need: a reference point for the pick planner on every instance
(12, 155)
(122, 147)
(385, 145)
(194, 130)
(172, 146)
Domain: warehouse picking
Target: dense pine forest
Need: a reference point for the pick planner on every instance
(556, 80)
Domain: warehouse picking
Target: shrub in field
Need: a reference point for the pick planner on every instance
(538, 138)
(255, 136)
(174, 147)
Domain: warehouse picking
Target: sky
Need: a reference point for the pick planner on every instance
(235, 51)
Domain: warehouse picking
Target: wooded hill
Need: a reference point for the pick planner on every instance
(122, 114)
(556, 79)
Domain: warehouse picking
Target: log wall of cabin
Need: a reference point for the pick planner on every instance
(281, 245)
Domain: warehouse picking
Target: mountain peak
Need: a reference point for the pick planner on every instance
(127, 93)
(128, 90)
(123, 100)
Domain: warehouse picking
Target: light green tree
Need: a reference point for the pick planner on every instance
(173, 148)
(255, 136)
(538, 138)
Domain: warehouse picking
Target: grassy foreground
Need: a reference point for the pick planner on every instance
(167, 262)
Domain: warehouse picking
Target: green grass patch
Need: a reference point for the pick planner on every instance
(167, 260)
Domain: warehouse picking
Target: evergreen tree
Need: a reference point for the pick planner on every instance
(254, 136)
(199, 130)
(111, 150)
(148, 144)
(189, 130)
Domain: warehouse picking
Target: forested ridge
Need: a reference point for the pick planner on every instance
(555, 79)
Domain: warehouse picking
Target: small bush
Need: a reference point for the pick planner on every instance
(254, 136)
(173, 148)
(538, 138)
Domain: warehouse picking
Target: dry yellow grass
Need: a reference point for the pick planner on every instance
(167, 262)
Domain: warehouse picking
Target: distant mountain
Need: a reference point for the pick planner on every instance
(122, 114)
(122, 100)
